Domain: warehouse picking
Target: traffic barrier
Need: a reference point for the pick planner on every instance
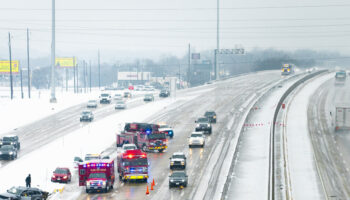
(147, 191)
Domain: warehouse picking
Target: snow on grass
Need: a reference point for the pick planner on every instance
(19, 112)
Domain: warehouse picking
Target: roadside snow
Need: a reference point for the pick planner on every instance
(305, 182)
(19, 112)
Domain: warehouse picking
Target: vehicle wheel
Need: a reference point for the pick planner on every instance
(185, 185)
(190, 146)
(106, 189)
(202, 145)
(87, 191)
(19, 146)
(171, 136)
(111, 187)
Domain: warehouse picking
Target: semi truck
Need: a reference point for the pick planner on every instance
(97, 175)
(342, 117)
(145, 136)
(132, 165)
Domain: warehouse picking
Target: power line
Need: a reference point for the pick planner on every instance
(179, 9)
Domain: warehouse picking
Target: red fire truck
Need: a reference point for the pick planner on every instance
(133, 165)
(97, 175)
(144, 136)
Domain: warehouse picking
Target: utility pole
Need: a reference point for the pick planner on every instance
(11, 81)
(74, 74)
(21, 82)
(53, 57)
(28, 63)
(90, 74)
(217, 42)
(66, 79)
(189, 65)
(85, 76)
(77, 78)
(99, 71)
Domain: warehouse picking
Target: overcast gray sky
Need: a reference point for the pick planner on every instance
(150, 28)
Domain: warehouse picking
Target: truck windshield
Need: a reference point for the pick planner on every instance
(104, 95)
(196, 135)
(156, 136)
(97, 175)
(202, 120)
(135, 162)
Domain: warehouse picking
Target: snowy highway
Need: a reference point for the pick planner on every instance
(331, 147)
(230, 160)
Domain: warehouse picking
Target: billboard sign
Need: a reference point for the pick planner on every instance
(65, 62)
(134, 76)
(5, 66)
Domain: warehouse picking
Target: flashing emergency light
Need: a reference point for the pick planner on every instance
(107, 165)
(148, 131)
(84, 165)
(130, 156)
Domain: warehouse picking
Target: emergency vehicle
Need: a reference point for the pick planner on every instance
(97, 175)
(144, 136)
(133, 165)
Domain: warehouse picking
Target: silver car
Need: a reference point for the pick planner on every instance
(120, 105)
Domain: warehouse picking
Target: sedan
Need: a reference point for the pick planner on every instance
(120, 105)
(61, 175)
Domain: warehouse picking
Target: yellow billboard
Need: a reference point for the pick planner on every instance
(5, 66)
(65, 62)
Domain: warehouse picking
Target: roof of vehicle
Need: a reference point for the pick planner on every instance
(10, 135)
(86, 111)
(210, 111)
(178, 154)
(129, 145)
(7, 146)
(197, 132)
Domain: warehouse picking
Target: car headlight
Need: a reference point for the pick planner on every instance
(88, 182)
(104, 183)
(182, 180)
(0, 152)
(209, 125)
(182, 163)
(171, 180)
(11, 153)
(198, 125)
(12, 142)
(171, 163)
(64, 177)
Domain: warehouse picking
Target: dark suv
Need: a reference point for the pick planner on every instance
(11, 140)
(203, 125)
(211, 115)
(178, 178)
(21, 193)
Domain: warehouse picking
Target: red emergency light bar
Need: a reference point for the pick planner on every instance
(130, 154)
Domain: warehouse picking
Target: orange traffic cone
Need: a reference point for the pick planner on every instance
(151, 186)
(147, 191)
(153, 183)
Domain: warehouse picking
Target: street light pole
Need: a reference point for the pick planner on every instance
(217, 42)
(53, 56)
(28, 63)
(11, 81)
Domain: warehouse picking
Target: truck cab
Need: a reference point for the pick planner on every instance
(97, 175)
(144, 136)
